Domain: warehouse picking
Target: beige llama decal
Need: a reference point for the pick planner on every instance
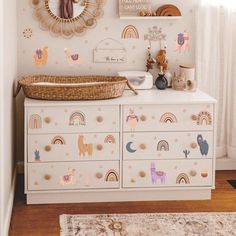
(41, 56)
(84, 148)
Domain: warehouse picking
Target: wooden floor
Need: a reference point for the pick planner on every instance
(37, 220)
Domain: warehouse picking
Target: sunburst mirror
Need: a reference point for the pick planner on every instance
(67, 18)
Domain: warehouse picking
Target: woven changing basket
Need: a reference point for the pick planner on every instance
(67, 88)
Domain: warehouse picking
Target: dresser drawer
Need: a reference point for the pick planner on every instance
(73, 119)
(167, 117)
(166, 145)
(71, 175)
(73, 147)
(167, 173)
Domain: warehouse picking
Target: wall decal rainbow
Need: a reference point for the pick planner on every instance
(168, 118)
(109, 139)
(130, 31)
(58, 140)
(163, 146)
(35, 122)
(77, 118)
(204, 118)
(182, 179)
(112, 176)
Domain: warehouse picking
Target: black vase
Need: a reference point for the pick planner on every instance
(161, 82)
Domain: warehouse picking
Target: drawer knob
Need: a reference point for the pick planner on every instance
(142, 174)
(99, 119)
(99, 175)
(142, 146)
(194, 117)
(47, 177)
(99, 147)
(193, 145)
(47, 120)
(47, 148)
(143, 118)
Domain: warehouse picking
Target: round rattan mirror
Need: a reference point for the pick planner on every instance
(67, 18)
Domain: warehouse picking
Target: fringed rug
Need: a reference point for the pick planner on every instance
(179, 224)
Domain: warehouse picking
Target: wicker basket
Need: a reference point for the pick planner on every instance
(73, 87)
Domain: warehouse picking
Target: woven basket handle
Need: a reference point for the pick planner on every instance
(18, 88)
(131, 87)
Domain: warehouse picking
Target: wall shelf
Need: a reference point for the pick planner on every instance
(150, 17)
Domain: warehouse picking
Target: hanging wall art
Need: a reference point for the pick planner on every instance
(109, 51)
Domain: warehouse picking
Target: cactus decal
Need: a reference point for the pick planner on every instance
(186, 153)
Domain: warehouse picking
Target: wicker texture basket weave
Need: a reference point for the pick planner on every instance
(73, 87)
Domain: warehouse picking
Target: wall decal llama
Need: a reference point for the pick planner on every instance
(204, 118)
(69, 178)
(168, 118)
(112, 176)
(204, 147)
(77, 118)
(41, 56)
(182, 42)
(84, 148)
(110, 139)
(37, 155)
(130, 31)
(182, 179)
(132, 120)
(163, 146)
(58, 140)
(157, 175)
(35, 122)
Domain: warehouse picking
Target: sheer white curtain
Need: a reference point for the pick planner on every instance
(216, 66)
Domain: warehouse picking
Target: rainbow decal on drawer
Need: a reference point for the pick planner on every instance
(35, 121)
(112, 176)
(58, 140)
(77, 118)
(163, 146)
(204, 117)
(168, 118)
(110, 139)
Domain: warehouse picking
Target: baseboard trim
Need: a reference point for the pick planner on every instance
(7, 219)
(225, 164)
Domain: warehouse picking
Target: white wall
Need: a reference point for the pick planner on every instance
(8, 75)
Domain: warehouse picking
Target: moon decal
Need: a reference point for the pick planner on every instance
(129, 149)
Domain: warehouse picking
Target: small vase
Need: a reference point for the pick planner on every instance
(161, 82)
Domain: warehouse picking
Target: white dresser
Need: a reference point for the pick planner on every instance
(159, 145)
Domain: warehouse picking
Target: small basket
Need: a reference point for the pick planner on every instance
(68, 88)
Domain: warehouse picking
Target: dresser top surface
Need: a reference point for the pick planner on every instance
(152, 96)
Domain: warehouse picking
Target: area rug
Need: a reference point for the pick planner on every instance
(177, 224)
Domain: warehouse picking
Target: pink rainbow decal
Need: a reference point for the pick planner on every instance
(109, 139)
